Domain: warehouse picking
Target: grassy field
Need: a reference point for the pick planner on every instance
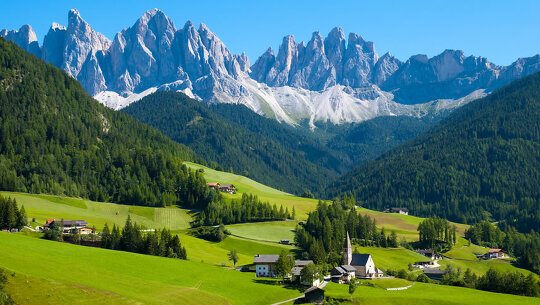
(265, 193)
(404, 225)
(268, 231)
(424, 294)
(98, 276)
(97, 214)
(392, 258)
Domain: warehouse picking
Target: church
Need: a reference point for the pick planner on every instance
(354, 265)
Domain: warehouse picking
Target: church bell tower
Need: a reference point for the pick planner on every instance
(347, 251)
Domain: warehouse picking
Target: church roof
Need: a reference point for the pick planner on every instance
(360, 259)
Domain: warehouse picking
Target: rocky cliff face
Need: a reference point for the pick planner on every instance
(25, 38)
(324, 63)
(330, 78)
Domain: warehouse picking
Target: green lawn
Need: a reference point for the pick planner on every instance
(391, 258)
(266, 231)
(462, 250)
(49, 272)
(199, 250)
(404, 225)
(424, 294)
(265, 193)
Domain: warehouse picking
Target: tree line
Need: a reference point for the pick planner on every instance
(134, 238)
(323, 235)
(248, 209)
(437, 232)
(11, 217)
(495, 281)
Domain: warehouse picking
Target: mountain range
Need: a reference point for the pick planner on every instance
(327, 79)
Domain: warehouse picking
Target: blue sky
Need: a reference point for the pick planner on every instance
(500, 30)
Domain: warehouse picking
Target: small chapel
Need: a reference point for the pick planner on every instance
(355, 265)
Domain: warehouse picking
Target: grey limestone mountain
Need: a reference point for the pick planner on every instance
(333, 78)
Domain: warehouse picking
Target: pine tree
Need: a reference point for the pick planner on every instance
(106, 238)
(22, 219)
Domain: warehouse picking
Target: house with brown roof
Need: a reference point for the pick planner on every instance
(213, 185)
(495, 253)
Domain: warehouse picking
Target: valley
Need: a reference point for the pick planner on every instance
(157, 165)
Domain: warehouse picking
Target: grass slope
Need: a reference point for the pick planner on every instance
(265, 193)
(424, 294)
(106, 276)
(97, 214)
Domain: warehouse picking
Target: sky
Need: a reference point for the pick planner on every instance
(500, 30)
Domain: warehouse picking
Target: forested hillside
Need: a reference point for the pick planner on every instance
(239, 140)
(54, 138)
(234, 138)
(482, 162)
(368, 140)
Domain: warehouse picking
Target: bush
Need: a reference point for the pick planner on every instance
(402, 274)
(422, 278)
(216, 234)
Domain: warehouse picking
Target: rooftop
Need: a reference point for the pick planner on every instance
(360, 259)
(265, 258)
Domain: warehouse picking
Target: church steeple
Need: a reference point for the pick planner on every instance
(347, 251)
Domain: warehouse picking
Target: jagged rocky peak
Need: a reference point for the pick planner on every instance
(53, 44)
(320, 64)
(25, 38)
(384, 68)
(262, 66)
(81, 40)
(335, 46)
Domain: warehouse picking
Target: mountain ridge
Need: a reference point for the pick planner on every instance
(327, 79)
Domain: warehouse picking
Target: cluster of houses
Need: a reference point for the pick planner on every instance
(402, 211)
(225, 188)
(70, 226)
(354, 266)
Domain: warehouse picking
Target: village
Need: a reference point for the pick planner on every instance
(355, 266)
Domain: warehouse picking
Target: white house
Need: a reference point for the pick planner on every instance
(265, 264)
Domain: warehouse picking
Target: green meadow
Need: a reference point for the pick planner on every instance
(42, 207)
(423, 294)
(99, 276)
(265, 193)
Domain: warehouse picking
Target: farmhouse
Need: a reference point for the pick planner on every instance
(362, 263)
(85, 231)
(227, 188)
(265, 264)
(213, 185)
(67, 225)
(494, 253)
(403, 211)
